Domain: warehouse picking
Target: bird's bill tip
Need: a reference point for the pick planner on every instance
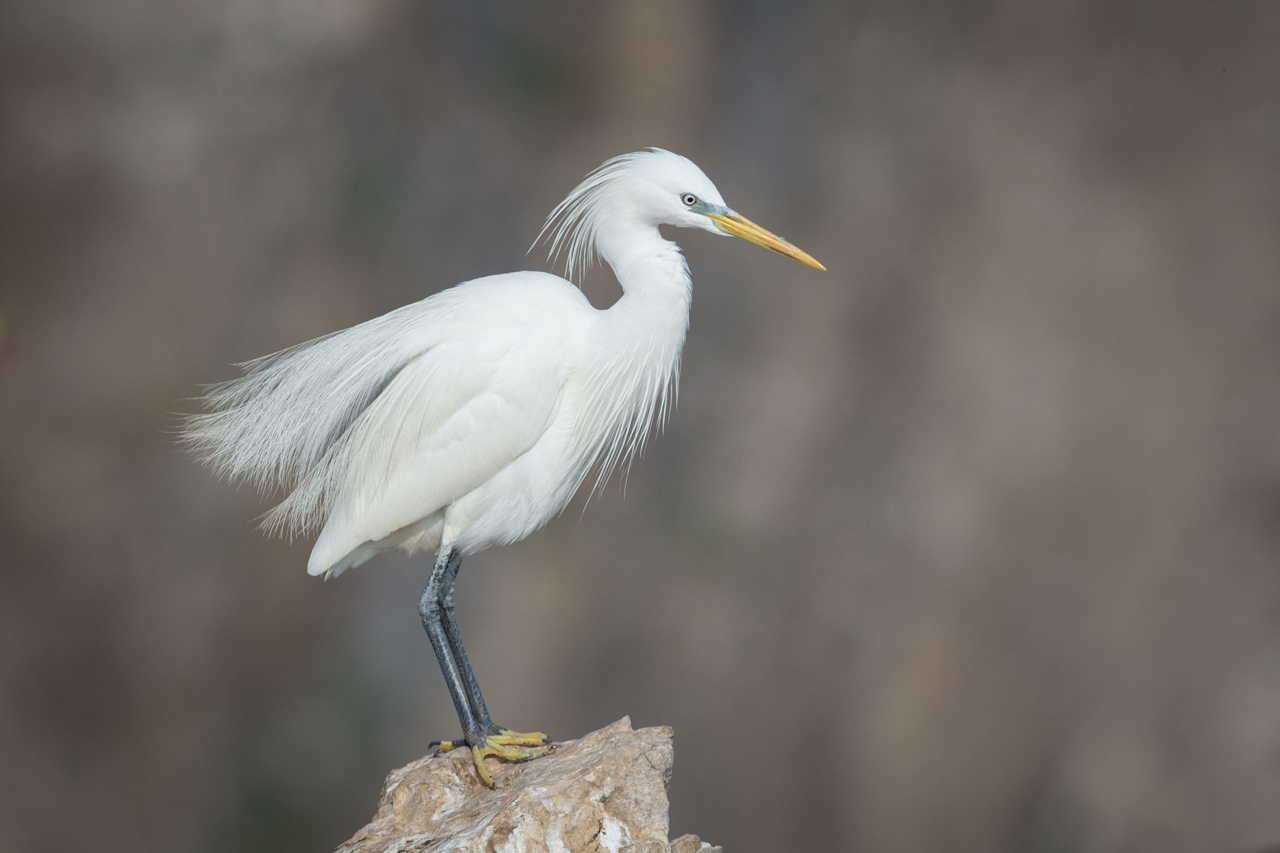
(738, 225)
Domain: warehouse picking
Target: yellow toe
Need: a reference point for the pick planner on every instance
(506, 737)
(498, 747)
(477, 756)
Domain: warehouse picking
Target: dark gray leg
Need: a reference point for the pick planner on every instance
(450, 626)
(479, 732)
(431, 609)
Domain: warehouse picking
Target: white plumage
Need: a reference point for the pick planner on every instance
(470, 418)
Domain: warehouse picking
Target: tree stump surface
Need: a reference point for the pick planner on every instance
(606, 791)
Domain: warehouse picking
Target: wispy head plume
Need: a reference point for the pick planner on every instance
(573, 228)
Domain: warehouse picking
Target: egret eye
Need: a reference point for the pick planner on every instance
(689, 199)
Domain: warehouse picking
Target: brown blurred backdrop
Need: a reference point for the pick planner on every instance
(970, 544)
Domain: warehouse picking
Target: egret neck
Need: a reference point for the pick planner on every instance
(632, 355)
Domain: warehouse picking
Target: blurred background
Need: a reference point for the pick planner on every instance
(970, 544)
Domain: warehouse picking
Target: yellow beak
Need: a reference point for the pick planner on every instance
(739, 226)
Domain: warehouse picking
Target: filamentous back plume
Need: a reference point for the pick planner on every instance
(271, 428)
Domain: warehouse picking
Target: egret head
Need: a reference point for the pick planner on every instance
(652, 187)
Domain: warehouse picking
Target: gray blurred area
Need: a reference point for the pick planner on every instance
(970, 544)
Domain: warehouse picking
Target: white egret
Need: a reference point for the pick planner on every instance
(469, 419)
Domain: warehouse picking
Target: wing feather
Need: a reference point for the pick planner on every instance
(448, 423)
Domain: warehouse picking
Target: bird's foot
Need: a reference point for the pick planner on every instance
(501, 745)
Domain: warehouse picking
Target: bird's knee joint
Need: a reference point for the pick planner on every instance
(429, 606)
